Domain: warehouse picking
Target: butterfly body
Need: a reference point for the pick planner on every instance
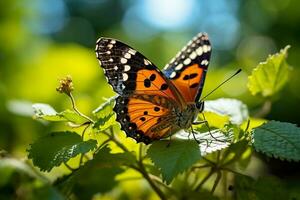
(153, 104)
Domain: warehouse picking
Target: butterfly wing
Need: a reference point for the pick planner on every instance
(188, 69)
(146, 96)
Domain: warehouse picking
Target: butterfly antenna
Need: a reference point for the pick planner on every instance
(236, 73)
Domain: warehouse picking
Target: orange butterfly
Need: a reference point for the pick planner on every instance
(154, 104)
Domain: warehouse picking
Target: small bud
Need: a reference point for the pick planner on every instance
(65, 85)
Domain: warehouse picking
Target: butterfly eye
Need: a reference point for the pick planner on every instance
(200, 106)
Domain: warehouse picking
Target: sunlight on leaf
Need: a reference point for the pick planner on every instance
(173, 158)
(235, 109)
(58, 147)
(46, 112)
(270, 76)
(209, 141)
(278, 139)
(105, 115)
(214, 120)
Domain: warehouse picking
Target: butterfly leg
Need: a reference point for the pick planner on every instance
(194, 135)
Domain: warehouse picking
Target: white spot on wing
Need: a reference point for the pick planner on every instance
(110, 46)
(108, 52)
(127, 55)
(113, 41)
(199, 51)
(125, 76)
(123, 60)
(132, 52)
(204, 62)
(111, 60)
(205, 49)
(147, 62)
(126, 68)
(116, 68)
(179, 67)
(187, 61)
(173, 74)
(193, 55)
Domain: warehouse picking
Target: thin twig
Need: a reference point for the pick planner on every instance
(232, 171)
(76, 110)
(82, 137)
(145, 174)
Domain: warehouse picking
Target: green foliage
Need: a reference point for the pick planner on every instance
(46, 112)
(175, 157)
(56, 148)
(181, 164)
(264, 188)
(97, 175)
(278, 139)
(270, 76)
(105, 115)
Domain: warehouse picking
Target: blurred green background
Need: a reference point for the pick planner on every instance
(44, 40)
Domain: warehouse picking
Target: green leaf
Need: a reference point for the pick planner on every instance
(105, 109)
(72, 116)
(235, 152)
(105, 158)
(105, 115)
(46, 112)
(58, 147)
(235, 109)
(214, 120)
(247, 188)
(174, 158)
(270, 76)
(278, 139)
(105, 122)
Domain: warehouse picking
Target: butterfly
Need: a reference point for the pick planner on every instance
(154, 104)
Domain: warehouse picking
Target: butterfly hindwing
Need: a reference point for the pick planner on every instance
(145, 117)
(188, 69)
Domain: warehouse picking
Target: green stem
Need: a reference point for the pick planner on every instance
(232, 171)
(77, 111)
(219, 175)
(204, 180)
(145, 174)
(82, 137)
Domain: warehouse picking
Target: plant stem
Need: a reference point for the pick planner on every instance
(76, 110)
(219, 175)
(232, 171)
(145, 174)
(204, 180)
(82, 137)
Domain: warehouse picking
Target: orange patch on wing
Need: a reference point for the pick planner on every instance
(152, 83)
(145, 115)
(188, 82)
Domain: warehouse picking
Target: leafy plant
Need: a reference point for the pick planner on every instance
(96, 152)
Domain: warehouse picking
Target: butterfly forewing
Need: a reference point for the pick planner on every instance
(188, 69)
